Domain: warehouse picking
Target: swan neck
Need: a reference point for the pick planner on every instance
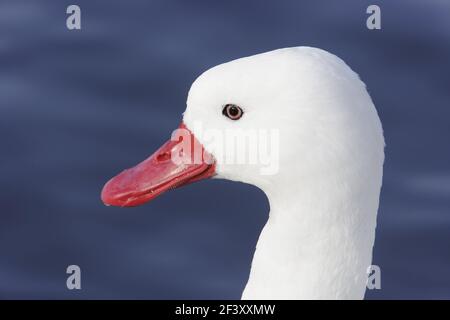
(313, 246)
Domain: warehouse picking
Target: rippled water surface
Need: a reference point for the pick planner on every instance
(79, 106)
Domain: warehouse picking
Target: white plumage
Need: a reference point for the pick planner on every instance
(317, 242)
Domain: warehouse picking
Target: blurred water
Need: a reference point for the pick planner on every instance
(79, 106)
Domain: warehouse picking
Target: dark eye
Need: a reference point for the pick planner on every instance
(232, 111)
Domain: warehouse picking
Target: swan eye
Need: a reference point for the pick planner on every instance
(232, 111)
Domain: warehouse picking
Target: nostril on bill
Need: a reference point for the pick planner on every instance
(163, 156)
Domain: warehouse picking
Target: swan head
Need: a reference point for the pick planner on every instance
(276, 120)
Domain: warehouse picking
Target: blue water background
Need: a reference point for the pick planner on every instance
(76, 107)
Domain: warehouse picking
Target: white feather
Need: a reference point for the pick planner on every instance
(317, 242)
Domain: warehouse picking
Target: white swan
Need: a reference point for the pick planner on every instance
(317, 242)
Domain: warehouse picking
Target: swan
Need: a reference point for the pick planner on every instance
(324, 191)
